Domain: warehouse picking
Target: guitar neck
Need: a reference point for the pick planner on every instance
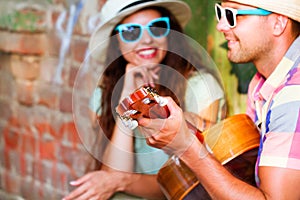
(196, 131)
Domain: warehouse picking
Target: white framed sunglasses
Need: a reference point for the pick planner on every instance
(231, 13)
(132, 32)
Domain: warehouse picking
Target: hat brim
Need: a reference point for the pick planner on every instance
(290, 8)
(98, 41)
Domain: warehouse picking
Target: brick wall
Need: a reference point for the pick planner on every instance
(41, 149)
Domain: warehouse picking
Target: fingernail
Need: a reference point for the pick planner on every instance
(72, 182)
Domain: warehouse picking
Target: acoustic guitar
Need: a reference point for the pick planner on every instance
(234, 142)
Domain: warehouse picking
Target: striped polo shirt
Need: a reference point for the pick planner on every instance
(274, 104)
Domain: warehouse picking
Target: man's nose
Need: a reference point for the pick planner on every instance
(222, 25)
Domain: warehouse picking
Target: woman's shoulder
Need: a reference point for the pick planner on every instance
(202, 90)
(95, 100)
(200, 79)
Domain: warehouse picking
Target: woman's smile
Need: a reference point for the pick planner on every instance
(147, 53)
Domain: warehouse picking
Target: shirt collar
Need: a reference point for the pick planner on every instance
(279, 75)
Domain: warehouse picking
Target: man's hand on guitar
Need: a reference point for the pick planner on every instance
(171, 134)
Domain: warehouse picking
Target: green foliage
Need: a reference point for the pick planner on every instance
(25, 21)
(202, 21)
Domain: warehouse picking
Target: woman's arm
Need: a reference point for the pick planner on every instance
(119, 154)
(104, 184)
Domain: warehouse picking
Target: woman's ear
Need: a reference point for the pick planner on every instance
(280, 24)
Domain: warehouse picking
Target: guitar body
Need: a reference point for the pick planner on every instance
(234, 142)
(189, 188)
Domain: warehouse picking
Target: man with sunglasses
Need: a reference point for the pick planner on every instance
(265, 32)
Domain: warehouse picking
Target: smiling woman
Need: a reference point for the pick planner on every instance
(141, 43)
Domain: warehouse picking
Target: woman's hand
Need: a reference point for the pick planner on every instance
(94, 185)
(137, 76)
(171, 134)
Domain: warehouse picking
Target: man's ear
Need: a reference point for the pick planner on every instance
(280, 24)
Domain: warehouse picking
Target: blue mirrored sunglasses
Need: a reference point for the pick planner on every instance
(231, 13)
(132, 32)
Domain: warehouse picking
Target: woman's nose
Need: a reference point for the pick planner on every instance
(146, 37)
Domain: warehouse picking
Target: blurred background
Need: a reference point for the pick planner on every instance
(43, 45)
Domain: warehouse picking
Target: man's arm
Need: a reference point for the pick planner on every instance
(175, 137)
(276, 183)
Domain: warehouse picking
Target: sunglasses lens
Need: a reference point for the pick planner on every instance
(159, 28)
(229, 17)
(130, 33)
(218, 13)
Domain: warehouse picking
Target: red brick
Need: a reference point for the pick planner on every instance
(47, 149)
(23, 165)
(65, 102)
(5, 61)
(40, 184)
(15, 161)
(65, 67)
(29, 143)
(69, 132)
(6, 109)
(26, 165)
(47, 153)
(6, 159)
(28, 189)
(25, 92)
(48, 68)
(23, 43)
(11, 182)
(6, 85)
(25, 67)
(53, 43)
(67, 155)
(46, 171)
(62, 176)
(73, 158)
(78, 48)
(25, 117)
(11, 134)
(72, 76)
(82, 26)
(48, 95)
(47, 142)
